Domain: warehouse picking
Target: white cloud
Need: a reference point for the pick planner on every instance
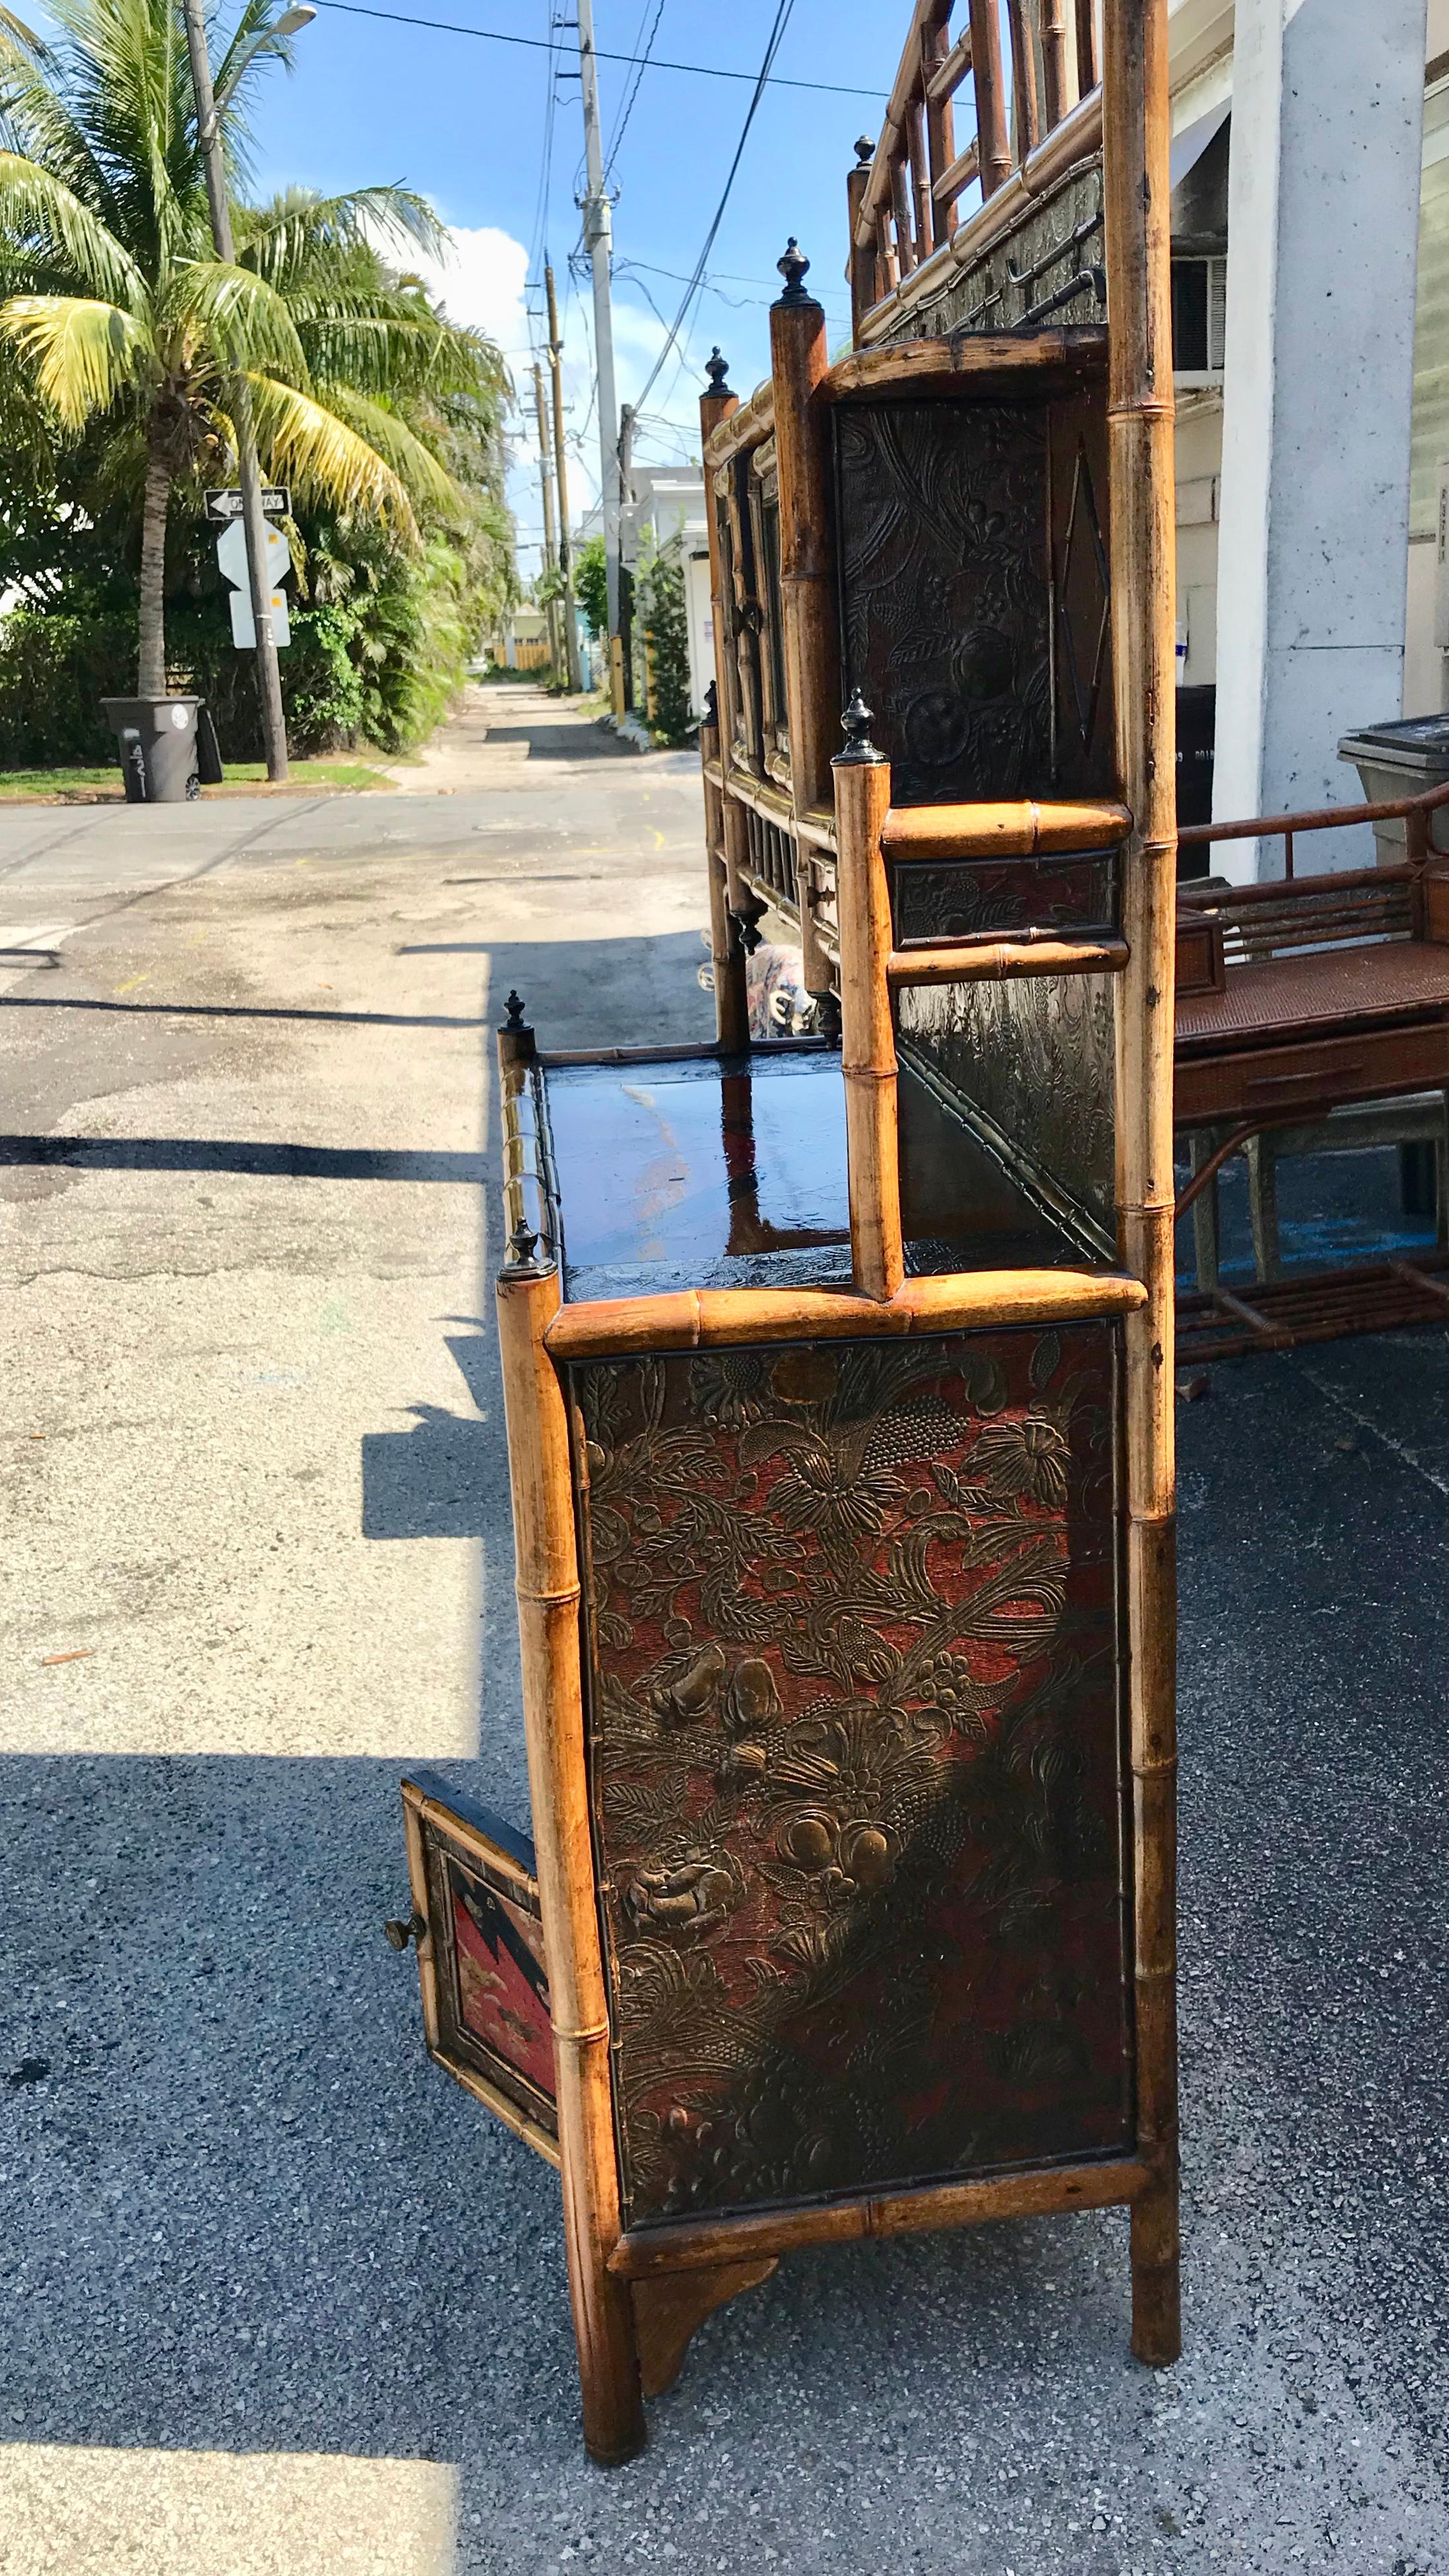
(481, 282)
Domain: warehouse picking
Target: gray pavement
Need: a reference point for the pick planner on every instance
(275, 2295)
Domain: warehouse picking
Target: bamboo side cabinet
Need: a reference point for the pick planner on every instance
(839, 1376)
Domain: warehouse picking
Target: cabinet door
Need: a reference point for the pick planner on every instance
(481, 1958)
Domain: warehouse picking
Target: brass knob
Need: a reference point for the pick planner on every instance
(400, 1933)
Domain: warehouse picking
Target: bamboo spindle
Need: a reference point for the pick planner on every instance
(1135, 158)
(1087, 74)
(867, 1036)
(1054, 61)
(1023, 82)
(990, 96)
(940, 129)
(548, 1628)
(799, 359)
(866, 283)
(731, 1006)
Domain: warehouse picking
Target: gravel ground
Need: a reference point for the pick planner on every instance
(276, 2296)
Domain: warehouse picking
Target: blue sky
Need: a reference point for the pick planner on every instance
(464, 122)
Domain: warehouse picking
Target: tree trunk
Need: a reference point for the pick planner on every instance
(151, 678)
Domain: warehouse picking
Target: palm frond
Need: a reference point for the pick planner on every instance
(81, 354)
(39, 210)
(298, 228)
(324, 459)
(242, 321)
(429, 484)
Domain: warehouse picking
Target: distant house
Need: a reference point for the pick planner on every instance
(668, 509)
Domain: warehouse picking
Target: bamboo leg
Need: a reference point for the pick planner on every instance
(867, 1035)
(731, 1006)
(548, 1626)
(1205, 1210)
(1139, 412)
(1262, 1154)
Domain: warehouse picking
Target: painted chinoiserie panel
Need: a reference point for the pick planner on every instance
(855, 1756)
(486, 1997)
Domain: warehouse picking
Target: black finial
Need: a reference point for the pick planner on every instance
(864, 149)
(717, 371)
(522, 1245)
(792, 267)
(711, 706)
(855, 725)
(515, 1023)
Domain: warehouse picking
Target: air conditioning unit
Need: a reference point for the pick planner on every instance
(1199, 318)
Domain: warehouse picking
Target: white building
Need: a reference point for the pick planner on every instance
(1311, 299)
(668, 503)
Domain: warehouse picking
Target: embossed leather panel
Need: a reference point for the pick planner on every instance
(977, 895)
(855, 1762)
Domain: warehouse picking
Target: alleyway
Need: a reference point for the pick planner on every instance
(276, 2297)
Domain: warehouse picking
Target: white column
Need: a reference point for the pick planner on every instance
(1323, 218)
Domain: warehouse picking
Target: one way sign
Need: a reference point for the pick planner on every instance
(222, 506)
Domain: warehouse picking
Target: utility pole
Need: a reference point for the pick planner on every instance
(598, 242)
(561, 471)
(550, 542)
(269, 678)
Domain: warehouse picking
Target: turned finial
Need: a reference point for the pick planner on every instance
(522, 1245)
(717, 370)
(792, 266)
(515, 1023)
(711, 705)
(864, 149)
(855, 724)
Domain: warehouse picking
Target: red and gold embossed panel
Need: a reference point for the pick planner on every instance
(856, 1761)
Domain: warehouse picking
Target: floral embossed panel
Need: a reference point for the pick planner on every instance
(969, 897)
(855, 1760)
(942, 517)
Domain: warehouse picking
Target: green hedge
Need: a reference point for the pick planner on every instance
(54, 671)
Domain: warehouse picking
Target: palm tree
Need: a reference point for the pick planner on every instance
(121, 315)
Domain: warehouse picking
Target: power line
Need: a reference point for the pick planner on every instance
(633, 91)
(776, 36)
(541, 45)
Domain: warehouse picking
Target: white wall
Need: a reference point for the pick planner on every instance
(1322, 250)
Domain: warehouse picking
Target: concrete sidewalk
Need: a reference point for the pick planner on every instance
(277, 2297)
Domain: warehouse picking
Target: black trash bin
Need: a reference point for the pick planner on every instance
(158, 747)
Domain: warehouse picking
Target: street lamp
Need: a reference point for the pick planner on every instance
(269, 679)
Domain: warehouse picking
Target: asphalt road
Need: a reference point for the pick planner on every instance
(277, 2297)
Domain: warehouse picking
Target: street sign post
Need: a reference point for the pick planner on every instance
(231, 557)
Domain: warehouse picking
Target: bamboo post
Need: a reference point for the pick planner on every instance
(923, 210)
(719, 404)
(867, 1036)
(906, 247)
(1135, 157)
(799, 358)
(865, 277)
(548, 1628)
(990, 96)
(731, 1007)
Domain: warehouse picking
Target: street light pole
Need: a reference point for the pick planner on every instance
(598, 242)
(561, 473)
(545, 476)
(269, 678)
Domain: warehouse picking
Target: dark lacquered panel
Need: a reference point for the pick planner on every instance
(488, 1958)
(708, 1174)
(1077, 891)
(856, 1761)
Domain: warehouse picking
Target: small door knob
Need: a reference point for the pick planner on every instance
(400, 1933)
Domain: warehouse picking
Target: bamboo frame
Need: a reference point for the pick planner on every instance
(949, 366)
(1004, 961)
(731, 1001)
(692, 1319)
(926, 834)
(1042, 2193)
(548, 1626)
(1140, 414)
(867, 1033)
(991, 131)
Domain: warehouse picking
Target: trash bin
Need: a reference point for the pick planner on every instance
(158, 747)
(1406, 758)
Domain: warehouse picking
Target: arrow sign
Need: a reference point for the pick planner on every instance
(222, 506)
(231, 556)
